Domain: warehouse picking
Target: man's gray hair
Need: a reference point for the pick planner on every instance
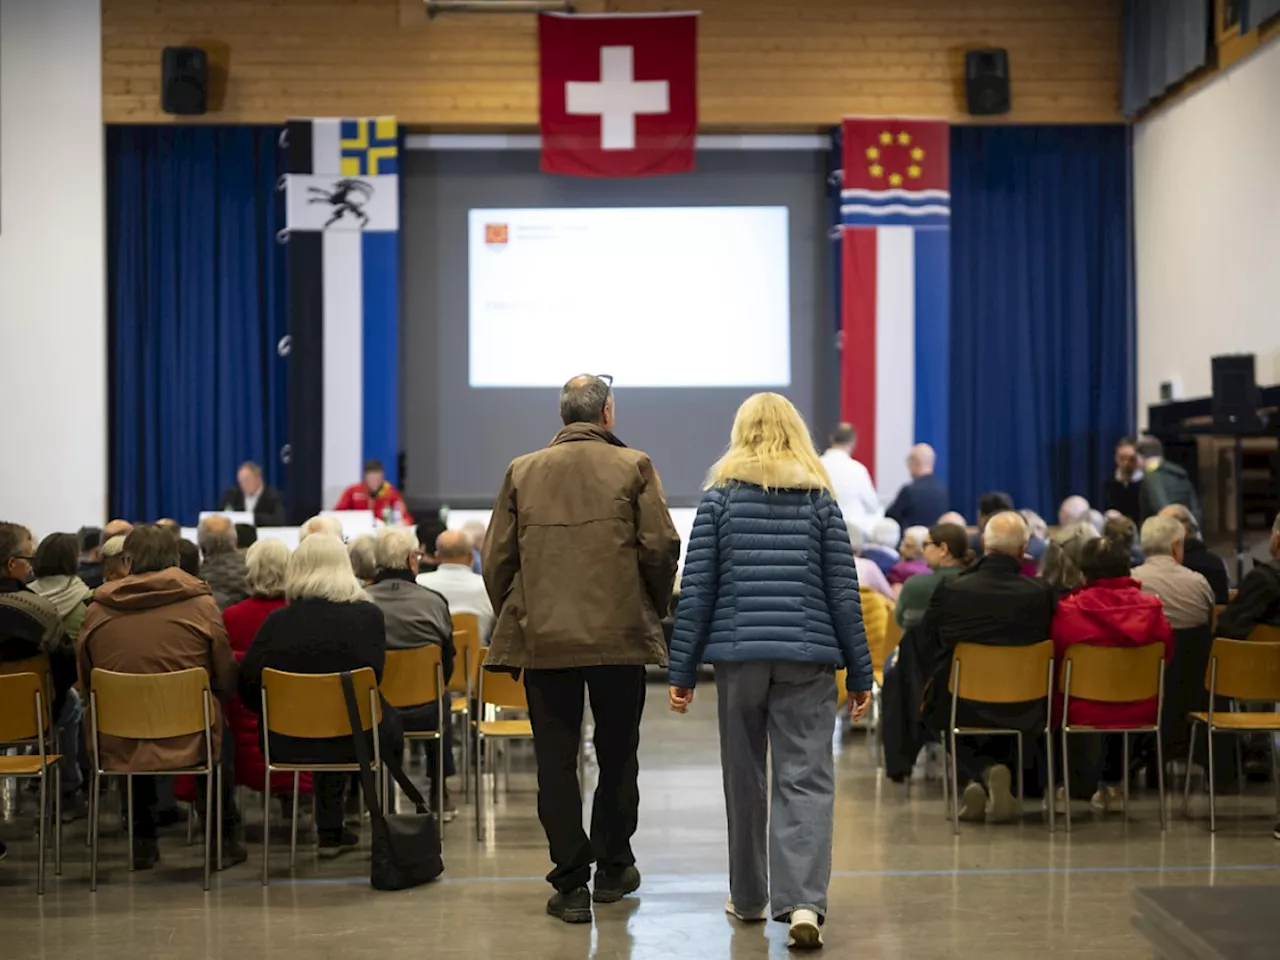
(362, 552)
(266, 561)
(216, 535)
(1006, 533)
(583, 400)
(394, 547)
(1159, 534)
(320, 524)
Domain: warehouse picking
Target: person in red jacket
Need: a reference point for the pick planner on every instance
(375, 494)
(1110, 610)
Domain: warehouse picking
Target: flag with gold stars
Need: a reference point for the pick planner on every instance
(895, 214)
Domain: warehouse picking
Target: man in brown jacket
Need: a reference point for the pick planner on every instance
(158, 619)
(579, 561)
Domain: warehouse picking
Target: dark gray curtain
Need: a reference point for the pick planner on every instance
(1164, 42)
(1256, 11)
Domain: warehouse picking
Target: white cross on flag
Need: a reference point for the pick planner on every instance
(619, 93)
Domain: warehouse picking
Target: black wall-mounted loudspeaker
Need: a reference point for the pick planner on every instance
(184, 80)
(1236, 397)
(986, 82)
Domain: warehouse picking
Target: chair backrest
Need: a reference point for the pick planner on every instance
(39, 665)
(151, 706)
(892, 637)
(411, 677)
(466, 648)
(24, 711)
(501, 689)
(990, 674)
(311, 706)
(877, 614)
(1264, 633)
(1113, 674)
(1246, 669)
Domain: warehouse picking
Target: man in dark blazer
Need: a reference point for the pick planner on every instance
(255, 496)
(1198, 557)
(922, 501)
(989, 603)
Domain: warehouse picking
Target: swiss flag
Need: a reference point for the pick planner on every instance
(619, 93)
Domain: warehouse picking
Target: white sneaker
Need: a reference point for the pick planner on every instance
(1104, 799)
(757, 917)
(805, 933)
(1002, 806)
(973, 804)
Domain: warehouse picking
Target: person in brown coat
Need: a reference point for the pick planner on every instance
(159, 619)
(579, 561)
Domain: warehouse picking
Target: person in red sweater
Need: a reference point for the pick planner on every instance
(375, 494)
(1110, 610)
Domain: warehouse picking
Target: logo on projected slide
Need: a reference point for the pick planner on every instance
(496, 236)
(347, 197)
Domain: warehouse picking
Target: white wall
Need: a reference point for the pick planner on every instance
(1207, 208)
(53, 472)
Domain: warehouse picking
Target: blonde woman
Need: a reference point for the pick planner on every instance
(770, 596)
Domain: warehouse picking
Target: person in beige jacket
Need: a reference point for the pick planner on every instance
(579, 561)
(158, 619)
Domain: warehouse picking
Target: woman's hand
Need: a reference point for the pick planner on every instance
(681, 697)
(859, 703)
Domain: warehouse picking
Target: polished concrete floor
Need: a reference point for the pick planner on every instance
(903, 885)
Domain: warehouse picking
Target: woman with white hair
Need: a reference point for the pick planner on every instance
(328, 626)
(882, 545)
(912, 560)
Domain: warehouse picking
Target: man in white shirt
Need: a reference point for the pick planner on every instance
(850, 480)
(457, 583)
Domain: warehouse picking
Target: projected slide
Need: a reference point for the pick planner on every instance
(655, 296)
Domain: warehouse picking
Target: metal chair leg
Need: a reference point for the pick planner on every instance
(129, 805)
(466, 753)
(191, 824)
(479, 758)
(1124, 736)
(57, 821)
(1213, 792)
(1021, 766)
(266, 822)
(1048, 740)
(955, 785)
(44, 826)
(946, 780)
(96, 802)
(220, 817)
(293, 829)
(209, 790)
(441, 746)
(1186, 781)
(1164, 814)
(1066, 781)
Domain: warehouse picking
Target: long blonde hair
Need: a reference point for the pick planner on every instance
(770, 446)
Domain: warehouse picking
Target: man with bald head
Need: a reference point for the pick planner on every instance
(1198, 557)
(989, 603)
(223, 567)
(922, 501)
(454, 579)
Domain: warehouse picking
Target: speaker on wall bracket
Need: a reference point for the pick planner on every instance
(184, 81)
(986, 82)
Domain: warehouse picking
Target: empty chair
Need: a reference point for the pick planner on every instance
(501, 690)
(25, 722)
(414, 678)
(466, 663)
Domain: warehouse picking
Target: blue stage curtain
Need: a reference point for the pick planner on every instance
(196, 308)
(1042, 333)
(1164, 42)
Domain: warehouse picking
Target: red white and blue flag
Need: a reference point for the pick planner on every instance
(895, 290)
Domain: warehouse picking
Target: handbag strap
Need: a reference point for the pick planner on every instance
(366, 764)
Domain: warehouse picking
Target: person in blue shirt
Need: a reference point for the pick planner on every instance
(922, 501)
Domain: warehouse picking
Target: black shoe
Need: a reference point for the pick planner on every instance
(75, 806)
(4, 851)
(233, 852)
(334, 845)
(612, 888)
(146, 853)
(571, 907)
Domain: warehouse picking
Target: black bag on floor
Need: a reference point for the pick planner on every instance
(406, 847)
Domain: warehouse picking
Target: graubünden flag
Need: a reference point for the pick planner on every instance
(895, 233)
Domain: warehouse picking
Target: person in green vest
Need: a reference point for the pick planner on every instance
(946, 550)
(1163, 483)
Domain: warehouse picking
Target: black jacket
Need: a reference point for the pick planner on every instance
(1258, 601)
(30, 626)
(919, 503)
(270, 509)
(1123, 497)
(989, 603)
(1166, 484)
(1196, 556)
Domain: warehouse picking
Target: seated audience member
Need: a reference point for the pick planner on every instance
(57, 579)
(158, 619)
(364, 559)
(377, 495)
(1163, 483)
(989, 504)
(952, 516)
(428, 532)
(1258, 599)
(415, 616)
(850, 481)
(320, 524)
(1074, 509)
(1111, 610)
(1196, 556)
(266, 562)
(90, 568)
(1125, 531)
(1097, 521)
(1060, 567)
(223, 564)
(869, 574)
(913, 562)
(92, 576)
(454, 579)
(989, 603)
(189, 558)
(31, 625)
(253, 495)
(922, 501)
(881, 547)
(1125, 485)
(1186, 595)
(946, 551)
(114, 563)
(171, 527)
(1037, 534)
(329, 626)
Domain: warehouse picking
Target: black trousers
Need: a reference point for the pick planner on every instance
(555, 710)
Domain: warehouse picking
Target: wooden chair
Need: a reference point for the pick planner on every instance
(25, 721)
(1239, 670)
(311, 706)
(466, 663)
(499, 689)
(414, 678)
(152, 706)
(982, 673)
(1113, 675)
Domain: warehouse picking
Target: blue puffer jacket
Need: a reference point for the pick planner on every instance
(769, 576)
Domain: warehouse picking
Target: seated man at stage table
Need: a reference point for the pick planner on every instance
(377, 495)
(1258, 601)
(253, 495)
